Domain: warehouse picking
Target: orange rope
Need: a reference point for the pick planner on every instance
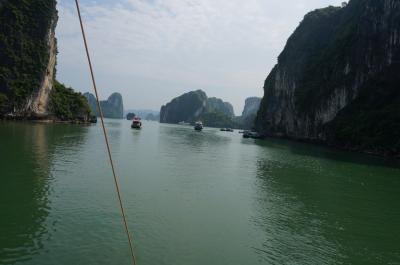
(106, 137)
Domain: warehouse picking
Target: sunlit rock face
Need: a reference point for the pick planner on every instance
(336, 80)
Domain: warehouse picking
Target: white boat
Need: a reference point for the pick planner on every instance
(198, 126)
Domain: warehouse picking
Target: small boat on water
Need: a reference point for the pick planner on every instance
(226, 130)
(136, 123)
(251, 134)
(198, 126)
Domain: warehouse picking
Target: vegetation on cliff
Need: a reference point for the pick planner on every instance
(27, 64)
(67, 104)
(24, 51)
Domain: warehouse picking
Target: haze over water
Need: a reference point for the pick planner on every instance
(191, 198)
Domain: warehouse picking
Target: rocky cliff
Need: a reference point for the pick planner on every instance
(194, 106)
(337, 79)
(28, 50)
(249, 113)
(27, 54)
(112, 108)
(251, 106)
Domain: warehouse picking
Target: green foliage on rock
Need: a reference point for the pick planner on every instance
(24, 51)
(66, 104)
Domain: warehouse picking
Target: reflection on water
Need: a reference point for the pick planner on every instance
(323, 211)
(26, 154)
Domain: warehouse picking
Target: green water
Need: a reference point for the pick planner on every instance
(191, 199)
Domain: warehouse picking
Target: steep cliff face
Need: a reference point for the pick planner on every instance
(336, 79)
(27, 55)
(112, 108)
(251, 106)
(38, 103)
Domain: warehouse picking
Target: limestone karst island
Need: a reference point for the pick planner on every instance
(199, 132)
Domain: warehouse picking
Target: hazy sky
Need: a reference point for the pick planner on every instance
(154, 50)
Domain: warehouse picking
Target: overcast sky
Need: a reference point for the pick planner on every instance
(154, 50)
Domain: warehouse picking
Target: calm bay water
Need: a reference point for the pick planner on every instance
(191, 198)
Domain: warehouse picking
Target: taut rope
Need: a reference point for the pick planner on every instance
(106, 136)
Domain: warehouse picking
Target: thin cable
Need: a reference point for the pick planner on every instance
(106, 136)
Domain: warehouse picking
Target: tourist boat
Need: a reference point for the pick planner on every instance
(136, 123)
(198, 126)
(251, 134)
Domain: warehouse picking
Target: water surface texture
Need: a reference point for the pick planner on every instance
(191, 199)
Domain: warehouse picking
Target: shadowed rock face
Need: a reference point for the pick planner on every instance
(112, 108)
(328, 85)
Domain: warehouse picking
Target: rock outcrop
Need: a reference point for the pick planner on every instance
(112, 108)
(337, 79)
(194, 106)
(187, 107)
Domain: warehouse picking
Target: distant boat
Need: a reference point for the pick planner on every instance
(198, 126)
(136, 123)
(226, 130)
(183, 123)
